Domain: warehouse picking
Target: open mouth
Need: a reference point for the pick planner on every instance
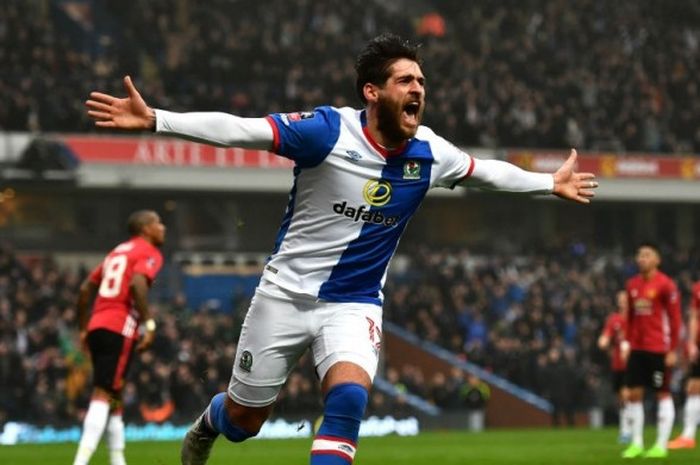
(410, 112)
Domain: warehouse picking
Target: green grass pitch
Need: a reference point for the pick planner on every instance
(555, 447)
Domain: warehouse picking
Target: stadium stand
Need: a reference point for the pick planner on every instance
(531, 319)
(616, 76)
(186, 366)
(603, 76)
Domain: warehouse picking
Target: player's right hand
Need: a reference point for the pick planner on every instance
(121, 113)
(146, 341)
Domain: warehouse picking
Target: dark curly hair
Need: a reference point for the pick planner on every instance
(374, 61)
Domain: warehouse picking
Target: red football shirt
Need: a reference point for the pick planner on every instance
(113, 308)
(654, 317)
(695, 307)
(614, 330)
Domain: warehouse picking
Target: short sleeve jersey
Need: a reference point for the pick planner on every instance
(113, 308)
(614, 330)
(351, 201)
(653, 320)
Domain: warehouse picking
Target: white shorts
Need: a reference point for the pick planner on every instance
(281, 325)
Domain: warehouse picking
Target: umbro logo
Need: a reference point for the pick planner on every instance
(352, 155)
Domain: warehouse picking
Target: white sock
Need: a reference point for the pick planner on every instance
(691, 416)
(93, 427)
(115, 440)
(625, 421)
(636, 415)
(666, 415)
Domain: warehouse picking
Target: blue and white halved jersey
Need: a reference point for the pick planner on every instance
(351, 201)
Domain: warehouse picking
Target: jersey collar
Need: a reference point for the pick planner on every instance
(142, 241)
(384, 152)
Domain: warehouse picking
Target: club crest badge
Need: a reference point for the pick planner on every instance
(411, 170)
(246, 361)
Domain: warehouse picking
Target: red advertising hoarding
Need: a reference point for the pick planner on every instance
(608, 165)
(159, 151)
(167, 152)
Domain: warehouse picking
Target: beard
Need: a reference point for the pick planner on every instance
(389, 121)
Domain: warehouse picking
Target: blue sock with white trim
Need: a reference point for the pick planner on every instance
(336, 440)
(219, 421)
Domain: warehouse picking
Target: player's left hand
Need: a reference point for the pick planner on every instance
(671, 359)
(146, 341)
(571, 185)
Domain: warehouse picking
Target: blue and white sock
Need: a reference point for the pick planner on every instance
(336, 441)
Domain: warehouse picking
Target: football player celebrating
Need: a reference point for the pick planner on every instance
(359, 177)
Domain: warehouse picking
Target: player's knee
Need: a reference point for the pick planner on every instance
(693, 387)
(342, 414)
(635, 395)
(232, 423)
(250, 419)
(106, 394)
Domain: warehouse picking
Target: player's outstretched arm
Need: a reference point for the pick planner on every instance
(500, 175)
(214, 128)
(503, 176)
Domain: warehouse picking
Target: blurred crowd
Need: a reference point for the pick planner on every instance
(455, 391)
(533, 319)
(45, 376)
(617, 76)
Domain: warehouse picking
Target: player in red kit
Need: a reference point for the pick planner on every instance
(613, 339)
(120, 286)
(692, 402)
(653, 326)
